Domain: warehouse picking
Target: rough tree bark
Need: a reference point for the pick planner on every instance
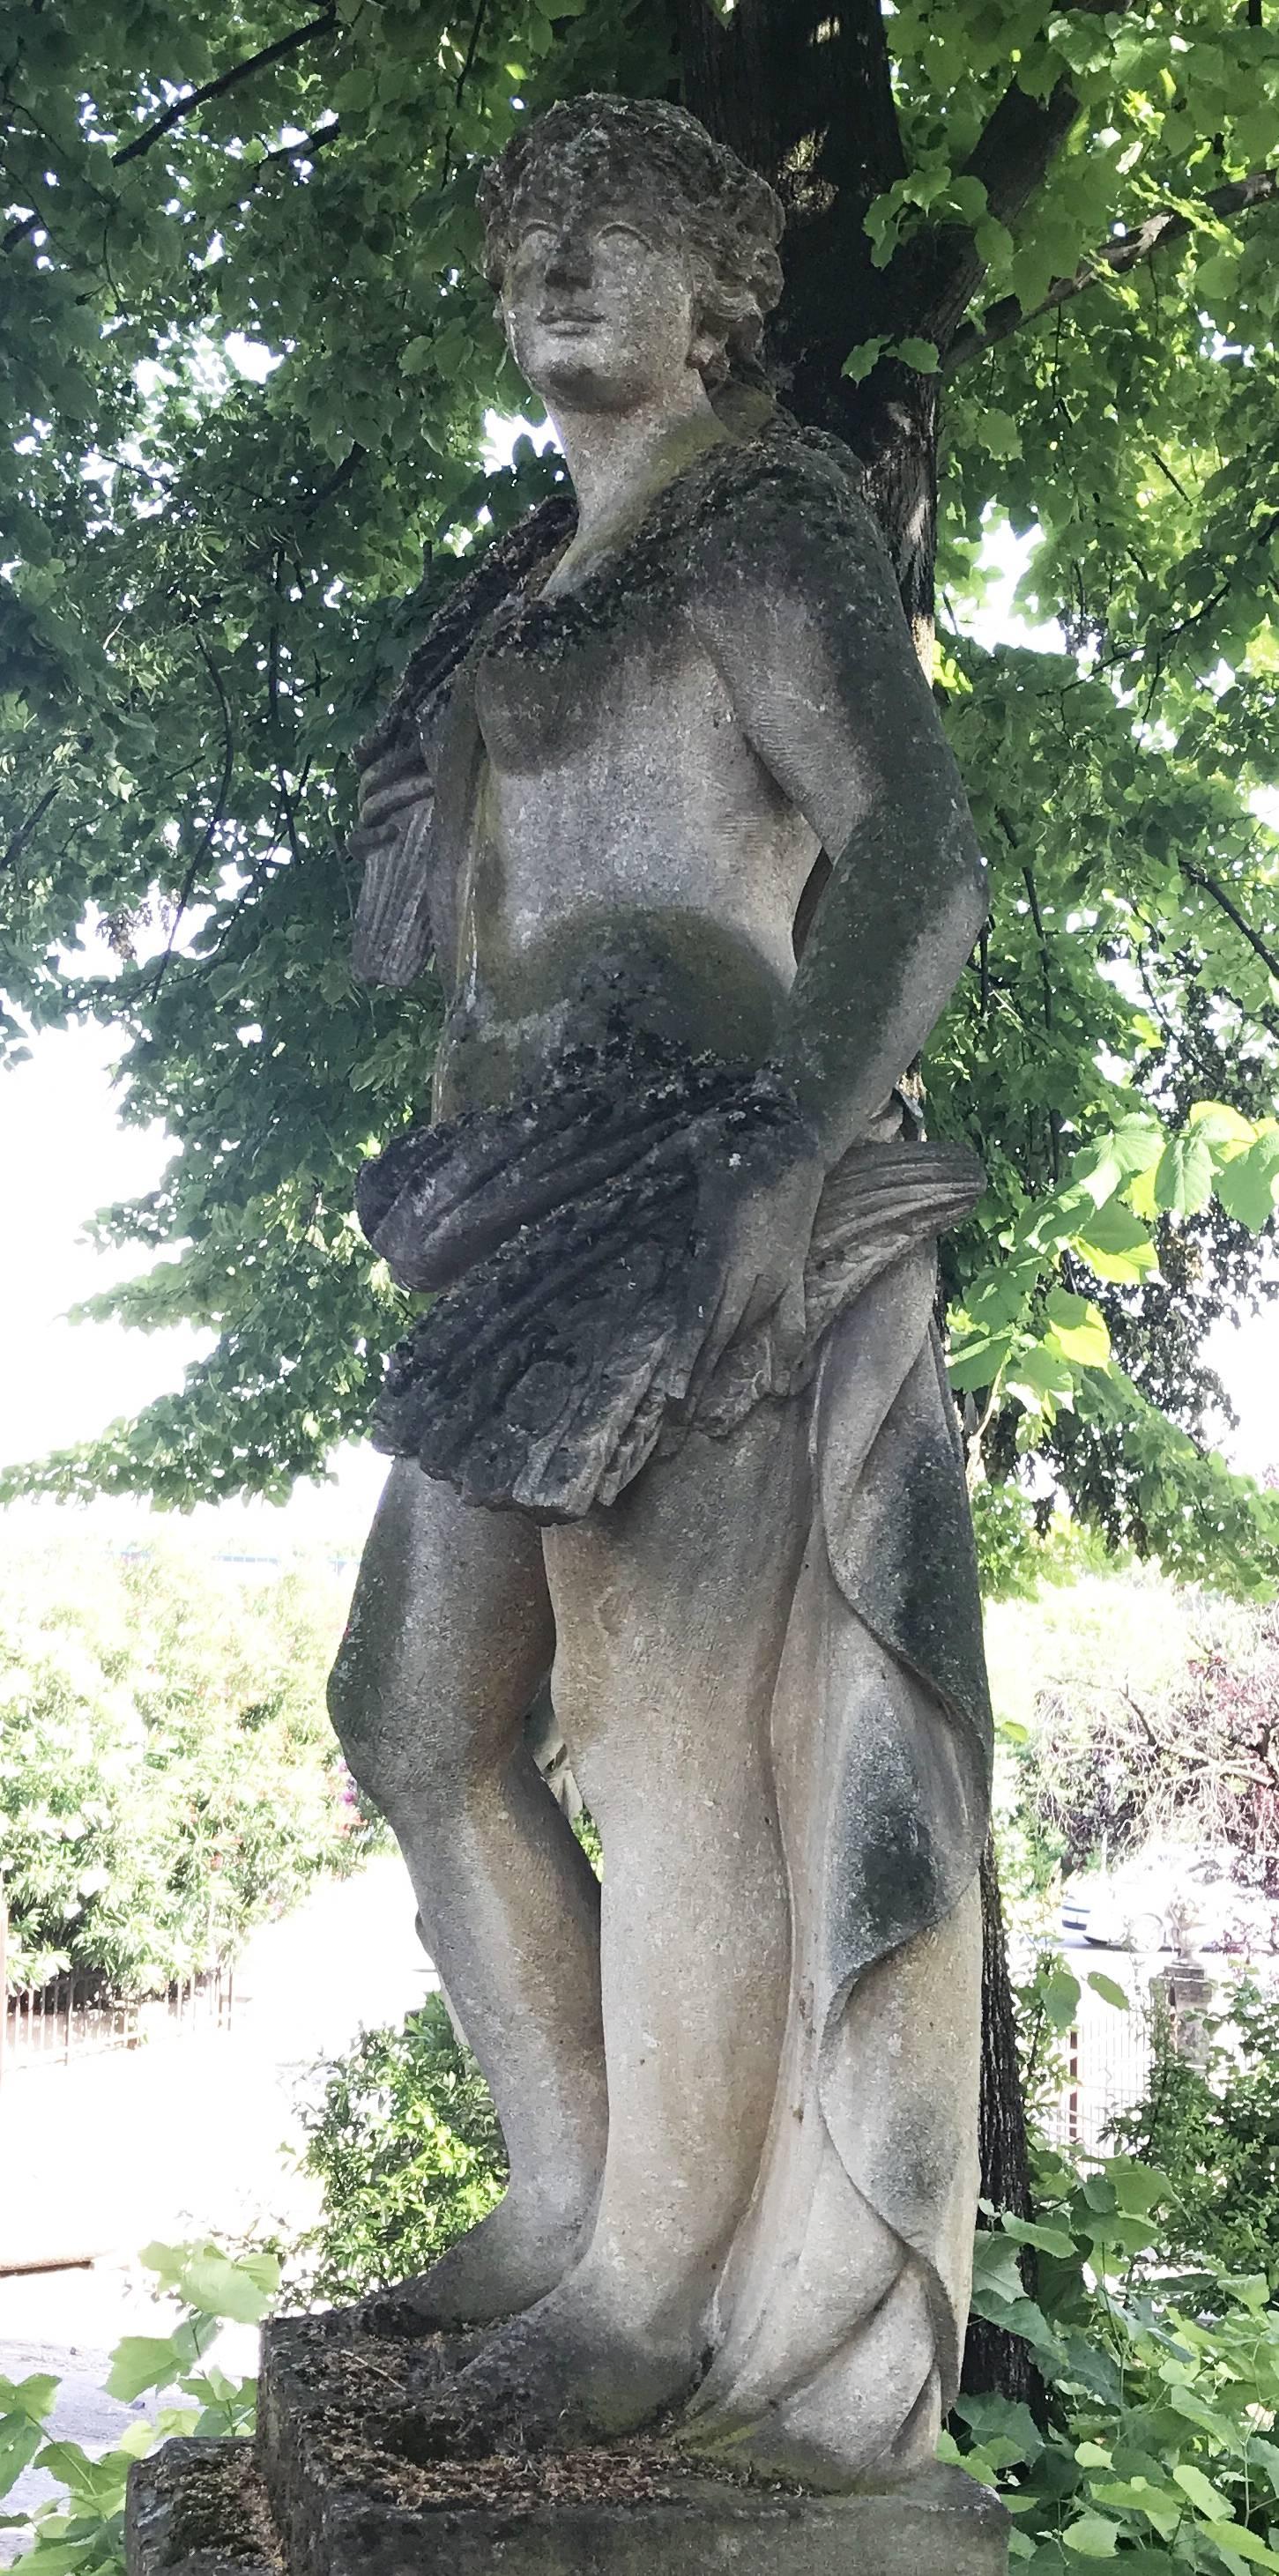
(802, 90)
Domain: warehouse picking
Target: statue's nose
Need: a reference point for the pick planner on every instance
(570, 261)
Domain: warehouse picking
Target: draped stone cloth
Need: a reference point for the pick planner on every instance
(837, 2327)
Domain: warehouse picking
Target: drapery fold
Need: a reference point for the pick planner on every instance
(837, 2329)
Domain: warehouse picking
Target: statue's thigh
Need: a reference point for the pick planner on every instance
(449, 1635)
(671, 1605)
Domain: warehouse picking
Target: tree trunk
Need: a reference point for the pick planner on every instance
(802, 90)
(993, 2359)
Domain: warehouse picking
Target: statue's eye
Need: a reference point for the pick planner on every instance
(622, 232)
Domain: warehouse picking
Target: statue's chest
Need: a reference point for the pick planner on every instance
(563, 676)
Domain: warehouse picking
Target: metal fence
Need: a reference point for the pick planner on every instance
(1108, 2053)
(70, 2017)
(1108, 2056)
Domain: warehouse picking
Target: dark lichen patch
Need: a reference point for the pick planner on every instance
(779, 476)
(359, 2423)
(218, 2509)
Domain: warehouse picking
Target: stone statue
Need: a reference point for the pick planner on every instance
(675, 1429)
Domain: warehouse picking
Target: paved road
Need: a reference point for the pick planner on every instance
(183, 2137)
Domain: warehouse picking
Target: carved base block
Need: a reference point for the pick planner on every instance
(334, 2490)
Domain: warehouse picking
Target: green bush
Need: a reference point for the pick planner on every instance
(1215, 2134)
(167, 1771)
(81, 2533)
(406, 2144)
(1154, 2445)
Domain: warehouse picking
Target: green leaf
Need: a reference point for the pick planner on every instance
(1235, 2537)
(1248, 1185)
(1137, 2495)
(243, 2290)
(140, 2362)
(978, 1360)
(137, 2439)
(1092, 2536)
(1079, 1329)
(922, 355)
(1059, 1995)
(31, 2397)
(1109, 1991)
(999, 433)
(20, 2440)
(1202, 2494)
(1115, 1244)
(1133, 1146)
(1183, 1178)
(866, 356)
(1219, 1124)
(1003, 2421)
(1046, 2240)
(1137, 2187)
(995, 2265)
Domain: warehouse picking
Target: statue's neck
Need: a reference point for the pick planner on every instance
(620, 461)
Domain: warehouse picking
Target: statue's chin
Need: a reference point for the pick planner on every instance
(578, 374)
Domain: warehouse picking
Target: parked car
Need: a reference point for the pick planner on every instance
(1169, 1896)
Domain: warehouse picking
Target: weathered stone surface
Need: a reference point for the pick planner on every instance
(565, 1230)
(200, 2509)
(942, 2525)
(738, 2087)
(346, 2456)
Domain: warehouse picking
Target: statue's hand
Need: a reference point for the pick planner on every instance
(756, 1206)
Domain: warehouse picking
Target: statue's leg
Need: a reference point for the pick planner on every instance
(671, 1613)
(450, 1633)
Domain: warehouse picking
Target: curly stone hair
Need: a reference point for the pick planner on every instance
(661, 161)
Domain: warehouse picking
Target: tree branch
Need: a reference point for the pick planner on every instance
(227, 80)
(942, 267)
(306, 149)
(1269, 956)
(1113, 259)
(179, 107)
(15, 847)
(219, 809)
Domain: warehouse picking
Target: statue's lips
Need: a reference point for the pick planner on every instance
(569, 321)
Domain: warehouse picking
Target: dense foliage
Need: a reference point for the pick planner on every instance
(80, 2530)
(403, 2137)
(1214, 2130)
(1154, 2446)
(1113, 1765)
(248, 362)
(167, 1771)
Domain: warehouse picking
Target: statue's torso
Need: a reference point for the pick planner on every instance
(615, 833)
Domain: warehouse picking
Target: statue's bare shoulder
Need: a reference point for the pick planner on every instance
(794, 597)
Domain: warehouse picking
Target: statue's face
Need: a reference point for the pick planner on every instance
(599, 311)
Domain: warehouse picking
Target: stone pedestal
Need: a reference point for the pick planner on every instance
(333, 2488)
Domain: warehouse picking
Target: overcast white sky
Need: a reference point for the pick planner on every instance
(63, 1153)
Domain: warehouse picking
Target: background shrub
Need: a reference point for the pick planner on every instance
(405, 2141)
(168, 1774)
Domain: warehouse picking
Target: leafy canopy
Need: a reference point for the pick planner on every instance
(216, 560)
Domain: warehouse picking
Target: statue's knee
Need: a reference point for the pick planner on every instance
(349, 1714)
(412, 1752)
(365, 1721)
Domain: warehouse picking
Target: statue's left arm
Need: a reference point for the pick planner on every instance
(797, 604)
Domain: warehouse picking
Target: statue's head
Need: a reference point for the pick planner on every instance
(627, 246)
